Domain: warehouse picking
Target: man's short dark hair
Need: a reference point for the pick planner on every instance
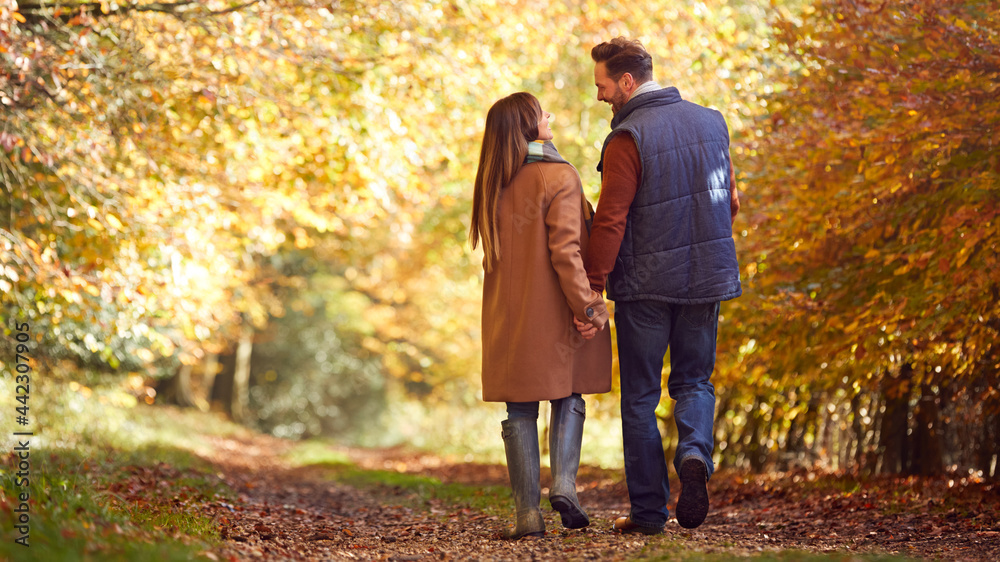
(621, 55)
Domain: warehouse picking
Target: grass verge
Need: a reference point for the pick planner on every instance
(102, 479)
(110, 506)
(399, 488)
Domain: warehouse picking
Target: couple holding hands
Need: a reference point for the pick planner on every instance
(661, 245)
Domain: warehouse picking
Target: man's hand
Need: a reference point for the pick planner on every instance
(586, 330)
(734, 194)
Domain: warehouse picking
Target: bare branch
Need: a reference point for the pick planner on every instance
(37, 11)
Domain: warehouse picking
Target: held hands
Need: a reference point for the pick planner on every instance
(586, 329)
(734, 206)
(734, 194)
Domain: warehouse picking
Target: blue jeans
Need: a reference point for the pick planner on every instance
(646, 329)
(528, 409)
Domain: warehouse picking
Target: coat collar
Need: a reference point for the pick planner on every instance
(656, 98)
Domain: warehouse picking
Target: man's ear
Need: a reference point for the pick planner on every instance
(627, 81)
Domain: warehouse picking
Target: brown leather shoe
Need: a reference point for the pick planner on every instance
(626, 525)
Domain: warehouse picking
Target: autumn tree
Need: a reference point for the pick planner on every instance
(163, 156)
(871, 253)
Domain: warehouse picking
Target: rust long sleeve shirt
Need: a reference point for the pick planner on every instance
(622, 175)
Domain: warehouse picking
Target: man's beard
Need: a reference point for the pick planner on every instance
(618, 101)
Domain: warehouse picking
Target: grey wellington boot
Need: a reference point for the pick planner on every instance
(520, 440)
(565, 439)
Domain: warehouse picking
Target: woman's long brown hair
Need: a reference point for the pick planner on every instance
(511, 124)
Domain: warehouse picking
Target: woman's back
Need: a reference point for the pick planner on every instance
(531, 349)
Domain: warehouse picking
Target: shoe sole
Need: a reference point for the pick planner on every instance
(572, 516)
(692, 506)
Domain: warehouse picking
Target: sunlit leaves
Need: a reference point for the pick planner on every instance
(880, 162)
(160, 171)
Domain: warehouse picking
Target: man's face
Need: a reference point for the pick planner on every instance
(609, 90)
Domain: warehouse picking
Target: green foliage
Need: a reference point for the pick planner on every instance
(318, 340)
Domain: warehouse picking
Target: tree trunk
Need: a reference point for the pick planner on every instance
(241, 376)
(872, 453)
(994, 471)
(859, 431)
(927, 447)
(211, 366)
(893, 441)
(222, 386)
(756, 454)
(823, 446)
(721, 425)
(177, 389)
(957, 439)
(795, 436)
(812, 424)
(987, 442)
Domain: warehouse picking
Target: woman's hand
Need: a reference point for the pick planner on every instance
(586, 329)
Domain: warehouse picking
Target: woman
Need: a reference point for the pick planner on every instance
(529, 213)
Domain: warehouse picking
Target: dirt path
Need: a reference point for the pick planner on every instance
(286, 513)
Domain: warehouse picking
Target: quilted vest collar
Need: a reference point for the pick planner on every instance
(663, 96)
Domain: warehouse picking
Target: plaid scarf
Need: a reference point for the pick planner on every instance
(539, 151)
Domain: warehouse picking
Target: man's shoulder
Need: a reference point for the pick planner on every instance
(683, 114)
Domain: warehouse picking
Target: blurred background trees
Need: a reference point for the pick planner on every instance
(262, 207)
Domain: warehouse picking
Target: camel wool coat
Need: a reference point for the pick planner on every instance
(531, 349)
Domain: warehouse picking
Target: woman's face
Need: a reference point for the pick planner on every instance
(544, 128)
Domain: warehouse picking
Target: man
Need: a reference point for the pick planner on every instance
(662, 236)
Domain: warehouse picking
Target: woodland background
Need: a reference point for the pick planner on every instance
(263, 207)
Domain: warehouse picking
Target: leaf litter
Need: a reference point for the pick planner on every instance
(286, 512)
